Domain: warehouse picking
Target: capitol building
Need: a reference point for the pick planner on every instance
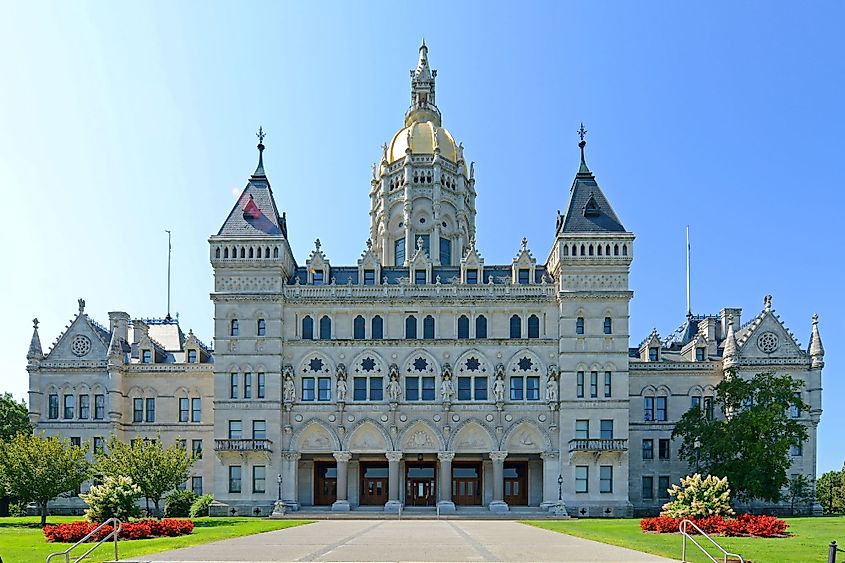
(421, 375)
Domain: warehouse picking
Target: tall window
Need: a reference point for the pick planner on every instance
(794, 411)
(259, 480)
(608, 383)
(196, 448)
(663, 487)
(247, 385)
(522, 276)
(419, 388)
(652, 354)
(324, 389)
(410, 327)
(648, 448)
(648, 487)
(196, 409)
(695, 402)
(234, 478)
(472, 276)
(358, 328)
(137, 410)
(594, 384)
(233, 327)
(606, 429)
(99, 407)
(663, 448)
(579, 385)
(533, 327)
(648, 409)
(183, 409)
(262, 327)
(150, 415)
(236, 430)
(605, 478)
(796, 449)
(233, 385)
(516, 327)
(68, 410)
(99, 444)
(307, 328)
(307, 388)
(367, 389)
(259, 429)
(426, 239)
(420, 277)
(192, 356)
(582, 429)
(196, 484)
(481, 326)
(579, 325)
(261, 388)
(699, 354)
(708, 407)
(377, 327)
(369, 277)
(445, 252)
(399, 251)
(472, 388)
(325, 328)
(53, 407)
(428, 327)
(463, 327)
(516, 388)
(582, 479)
(661, 409)
(84, 407)
(608, 325)
(146, 357)
(317, 277)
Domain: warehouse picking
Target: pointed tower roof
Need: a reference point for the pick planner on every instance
(35, 353)
(255, 213)
(816, 348)
(115, 353)
(729, 354)
(588, 210)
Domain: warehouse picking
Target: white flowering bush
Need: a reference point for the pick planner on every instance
(699, 497)
(115, 498)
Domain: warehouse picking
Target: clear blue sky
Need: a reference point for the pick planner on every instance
(121, 120)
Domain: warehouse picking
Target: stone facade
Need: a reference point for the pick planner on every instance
(420, 375)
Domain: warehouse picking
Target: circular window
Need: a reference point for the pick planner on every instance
(444, 224)
(422, 220)
(80, 345)
(768, 342)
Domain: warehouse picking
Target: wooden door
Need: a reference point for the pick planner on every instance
(516, 483)
(374, 478)
(420, 488)
(325, 483)
(466, 484)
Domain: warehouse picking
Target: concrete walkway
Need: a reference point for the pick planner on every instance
(419, 540)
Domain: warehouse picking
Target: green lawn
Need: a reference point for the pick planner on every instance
(21, 540)
(807, 543)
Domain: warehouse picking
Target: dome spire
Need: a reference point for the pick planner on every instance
(259, 170)
(423, 107)
(582, 134)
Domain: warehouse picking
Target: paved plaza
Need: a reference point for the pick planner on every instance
(415, 540)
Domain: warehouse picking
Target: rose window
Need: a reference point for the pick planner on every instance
(768, 342)
(80, 345)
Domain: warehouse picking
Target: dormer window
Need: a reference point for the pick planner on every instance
(146, 357)
(369, 277)
(523, 276)
(653, 354)
(262, 327)
(699, 354)
(472, 277)
(591, 209)
(419, 277)
(318, 278)
(192, 356)
(233, 327)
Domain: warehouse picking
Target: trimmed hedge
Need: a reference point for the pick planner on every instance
(141, 529)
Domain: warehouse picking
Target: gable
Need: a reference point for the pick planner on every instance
(82, 341)
(767, 337)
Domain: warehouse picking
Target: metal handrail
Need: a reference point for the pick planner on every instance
(683, 529)
(116, 527)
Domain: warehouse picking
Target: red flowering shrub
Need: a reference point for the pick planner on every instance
(142, 529)
(710, 524)
(743, 525)
(732, 528)
(763, 526)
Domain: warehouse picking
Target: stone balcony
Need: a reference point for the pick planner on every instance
(242, 445)
(598, 445)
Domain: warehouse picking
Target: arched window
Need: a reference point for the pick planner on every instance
(624, 250)
(608, 325)
(428, 327)
(262, 327)
(481, 326)
(566, 250)
(463, 327)
(217, 253)
(258, 252)
(591, 250)
(307, 328)
(251, 252)
(233, 327)
(579, 325)
(225, 253)
(599, 248)
(358, 328)
(325, 328)
(276, 252)
(607, 250)
(378, 327)
(533, 327)
(516, 327)
(410, 327)
(616, 250)
(583, 250)
(243, 252)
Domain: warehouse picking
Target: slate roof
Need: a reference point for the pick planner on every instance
(255, 213)
(588, 211)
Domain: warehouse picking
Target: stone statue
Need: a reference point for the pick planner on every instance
(499, 389)
(341, 389)
(393, 388)
(447, 391)
(551, 389)
(289, 390)
(81, 303)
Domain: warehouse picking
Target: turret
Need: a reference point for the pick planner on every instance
(35, 353)
(729, 354)
(816, 350)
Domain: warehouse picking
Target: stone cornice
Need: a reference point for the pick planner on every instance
(611, 294)
(421, 343)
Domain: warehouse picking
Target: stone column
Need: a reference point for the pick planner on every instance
(290, 479)
(342, 504)
(498, 504)
(551, 471)
(393, 503)
(445, 504)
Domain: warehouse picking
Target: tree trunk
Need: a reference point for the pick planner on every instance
(43, 513)
(155, 502)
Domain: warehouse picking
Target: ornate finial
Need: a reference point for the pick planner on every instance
(259, 170)
(81, 303)
(582, 132)
(472, 242)
(767, 302)
(375, 177)
(35, 322)
(261, 134)
(524, 243)
(369, 244)
(317, 244)
(422, 44)
(419, 243)
(815, 319)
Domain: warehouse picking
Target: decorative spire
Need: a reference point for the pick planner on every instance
(816, 348)
(81, 303)
(423, 107)
(767, 302)
(115, 353)
(259, 170)
(729, 354)
(582, 134)
(35, 353)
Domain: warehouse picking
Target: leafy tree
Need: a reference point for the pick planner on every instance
(14, 417)
(832, 482)
(39, 468)
(155, 469)
(799, 491)
(749, 444)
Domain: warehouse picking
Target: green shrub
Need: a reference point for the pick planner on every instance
(699, 497)
(115, 498)
(17, 508)
(200, 506)
(178, 504)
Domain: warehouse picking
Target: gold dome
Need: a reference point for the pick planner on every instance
(422, 138)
